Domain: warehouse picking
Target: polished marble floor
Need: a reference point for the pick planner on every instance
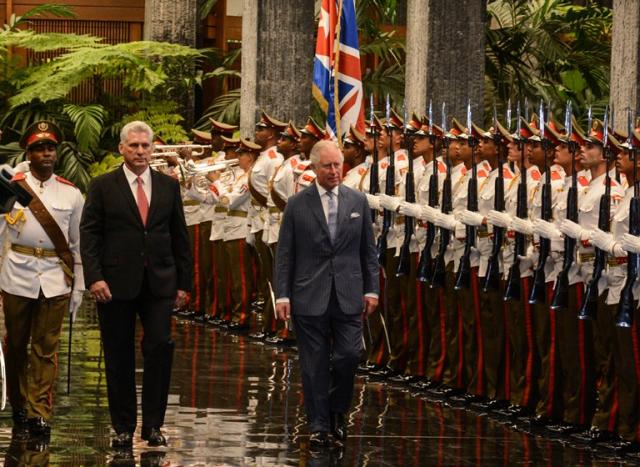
(236, 402)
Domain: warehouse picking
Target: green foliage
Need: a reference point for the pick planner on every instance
(107, 164)
(550, 50)
(161, 117)
(52, 9)
(89, 121)
(225, 108)
(205, 7)
(73, 164)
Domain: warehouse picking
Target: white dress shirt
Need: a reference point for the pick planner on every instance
(133, 184)
(324, 199)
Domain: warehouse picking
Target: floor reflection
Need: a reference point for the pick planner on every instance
(237, 402)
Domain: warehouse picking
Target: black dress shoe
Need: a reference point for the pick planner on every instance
(200, 319)
(403, 379)
(186, 314)
(594, 435)
(20, 422)
(153, 437)
(237, 327)
(563, 428)
(384, 373)
(319, 439)
(257, 335)
(338, 423)
(274, 340)
(122, 440)
(38, 426)
(423, 384)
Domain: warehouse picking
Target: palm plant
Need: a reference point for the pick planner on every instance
(550, 50)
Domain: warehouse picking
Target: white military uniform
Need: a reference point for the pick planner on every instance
(283, 184)
(27, 275)
(259, 177)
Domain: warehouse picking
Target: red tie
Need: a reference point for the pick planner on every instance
(143, 202)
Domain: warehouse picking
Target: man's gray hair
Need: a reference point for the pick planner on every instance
(135, 127)
(322, 146)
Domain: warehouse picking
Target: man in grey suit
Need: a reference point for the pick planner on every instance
(327, 278)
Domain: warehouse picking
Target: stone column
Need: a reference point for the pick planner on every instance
(277, 60)
(625, 60)
(175, 22)
(445, 56)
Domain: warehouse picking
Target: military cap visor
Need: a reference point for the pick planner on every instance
(40, 133)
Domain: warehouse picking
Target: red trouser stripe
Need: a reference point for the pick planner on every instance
(636, 363)
(582, 411)
(528, 326)
(476, 308)
(507, 355)
(552, 352)
(216, 266)
(196, 266)
(380, 356)
(460, 345)
(613, 416)
(443, 338)
(421, 337)
(243, 283)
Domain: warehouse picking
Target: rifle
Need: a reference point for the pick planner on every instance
(589, 306)
(404, 263)
(463, 279)
(389, 189)
(439, 266)
(425, 265)
(492, 277)
(374, 181)
(560, 299)
(538, 289)
(512, 288)
(624, 316)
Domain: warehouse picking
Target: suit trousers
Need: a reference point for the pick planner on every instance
(329, 347)
(117, 327)
(31, 375)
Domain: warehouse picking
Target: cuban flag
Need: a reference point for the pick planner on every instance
(337, 80)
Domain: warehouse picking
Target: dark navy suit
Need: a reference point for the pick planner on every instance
(325, 282)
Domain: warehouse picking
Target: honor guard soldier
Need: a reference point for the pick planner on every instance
(267, 133)
(356, 157)
(41, 278)
(237, 200)
(310, 134)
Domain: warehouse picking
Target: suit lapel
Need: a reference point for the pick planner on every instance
(155, 195)
(125, 188)
(315, 206)
(344, 207)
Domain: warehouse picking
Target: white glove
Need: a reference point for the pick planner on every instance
(573, 230)
(546, 229)
(429, 214)
(374, 201)
(74, 303)
(523, 226)
(471, 218)
(630, 243)
(390, 203)
(410, 209)
(602, 240)
(446, 221)
(499, 219)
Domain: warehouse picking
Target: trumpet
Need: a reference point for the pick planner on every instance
(193, 169)
(197, 150)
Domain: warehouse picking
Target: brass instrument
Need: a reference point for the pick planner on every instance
(197, 172)
(197, 150)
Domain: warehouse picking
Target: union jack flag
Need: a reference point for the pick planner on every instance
(337, 66)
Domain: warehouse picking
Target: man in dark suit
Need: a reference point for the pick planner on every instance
(327, 278)
(135, 244)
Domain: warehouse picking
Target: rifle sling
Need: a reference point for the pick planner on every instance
(255, 194)
(53, 231)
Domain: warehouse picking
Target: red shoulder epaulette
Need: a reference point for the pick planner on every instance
(401, 157)
(362, 171)
(384, 165)
(293, 163)
(65, 181)
(582, 180)
(272, 154)
(556, 175)
(308, 178)
(482, 173)
(536, 175)
(19, 176)
(442, 168)
(506, 173)
(464, 170)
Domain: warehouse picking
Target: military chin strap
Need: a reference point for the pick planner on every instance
(53, 231)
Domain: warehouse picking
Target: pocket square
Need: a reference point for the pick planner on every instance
(354, 215)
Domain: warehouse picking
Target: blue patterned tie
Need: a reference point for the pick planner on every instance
(333, 215)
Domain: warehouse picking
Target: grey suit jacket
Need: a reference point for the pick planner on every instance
(308, 263)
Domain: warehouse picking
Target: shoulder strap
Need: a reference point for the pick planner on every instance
(255, 194)
(52, 229)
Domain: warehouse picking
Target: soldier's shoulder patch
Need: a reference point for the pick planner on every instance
(293, 163)
(507, 173)
(19, 176)
(362, 171)
(482, 173)
(442, 168)
(464, 170)
(535, 174)
(308, 177)
(583, 181)
(555, 175)
(384, 165)
(401, 157)
(65, 181)
(272, 154)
